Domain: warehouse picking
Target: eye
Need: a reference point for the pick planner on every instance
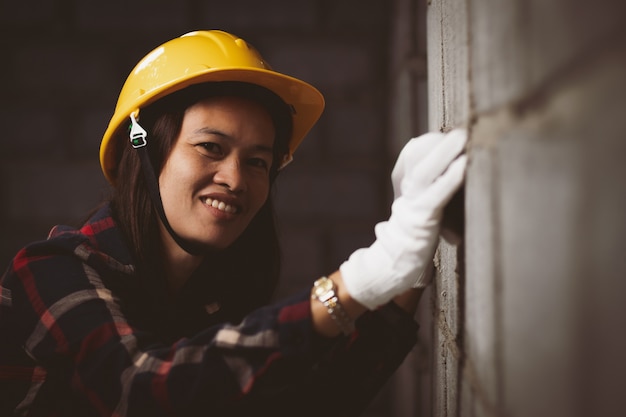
(259, 163)
(211, 148)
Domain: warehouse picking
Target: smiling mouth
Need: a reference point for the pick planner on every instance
(220, 205)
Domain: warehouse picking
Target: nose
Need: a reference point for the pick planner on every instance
(229, 174)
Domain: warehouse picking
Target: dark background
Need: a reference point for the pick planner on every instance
(64, 62)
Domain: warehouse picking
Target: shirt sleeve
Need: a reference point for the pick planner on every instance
(72, 327)
(345, 381)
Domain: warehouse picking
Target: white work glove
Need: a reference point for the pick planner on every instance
(429, 170)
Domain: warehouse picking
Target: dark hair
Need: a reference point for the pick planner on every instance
(137, 217)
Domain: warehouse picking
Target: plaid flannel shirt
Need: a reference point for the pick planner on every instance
(69, 348)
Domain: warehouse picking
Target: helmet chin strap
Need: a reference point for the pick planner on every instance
(138, 140)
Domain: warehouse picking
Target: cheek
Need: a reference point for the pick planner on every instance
(176, 172)
(167, 181)
(175, 187)
(261, 194)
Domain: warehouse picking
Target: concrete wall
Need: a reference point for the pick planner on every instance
(528, 313)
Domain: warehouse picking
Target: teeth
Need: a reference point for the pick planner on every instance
(220, 205)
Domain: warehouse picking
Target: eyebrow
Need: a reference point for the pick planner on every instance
(212, 131)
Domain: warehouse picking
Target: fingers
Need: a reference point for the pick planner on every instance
(444, 187)
(416, 149)
(441, 156)
(411, 155)
(433, 164)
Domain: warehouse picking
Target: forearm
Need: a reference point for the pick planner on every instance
(360, 365)
(409, 300)
(326, 326)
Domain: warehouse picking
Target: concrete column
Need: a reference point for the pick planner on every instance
(530, 321)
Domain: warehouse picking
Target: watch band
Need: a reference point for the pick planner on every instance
(325, 291)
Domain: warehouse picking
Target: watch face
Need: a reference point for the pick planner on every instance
(327, 285)
(322, 289)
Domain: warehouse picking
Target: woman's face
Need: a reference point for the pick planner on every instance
(216, 177)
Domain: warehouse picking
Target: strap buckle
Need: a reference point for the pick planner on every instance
(138, 134)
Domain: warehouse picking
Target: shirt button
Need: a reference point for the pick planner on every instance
(212, 308)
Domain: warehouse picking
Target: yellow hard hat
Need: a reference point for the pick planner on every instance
(198, 57)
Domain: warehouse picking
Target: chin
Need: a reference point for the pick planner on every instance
(215, 238)
(217, 244)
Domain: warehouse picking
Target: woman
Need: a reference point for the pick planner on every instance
(160, 303)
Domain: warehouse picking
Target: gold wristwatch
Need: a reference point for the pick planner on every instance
(325, 291)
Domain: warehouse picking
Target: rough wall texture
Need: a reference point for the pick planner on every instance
(529, 316)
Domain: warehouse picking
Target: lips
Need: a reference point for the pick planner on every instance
(221, 205)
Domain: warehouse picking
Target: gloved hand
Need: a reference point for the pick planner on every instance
(428, 172)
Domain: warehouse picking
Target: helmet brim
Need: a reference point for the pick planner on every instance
(306, 102)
